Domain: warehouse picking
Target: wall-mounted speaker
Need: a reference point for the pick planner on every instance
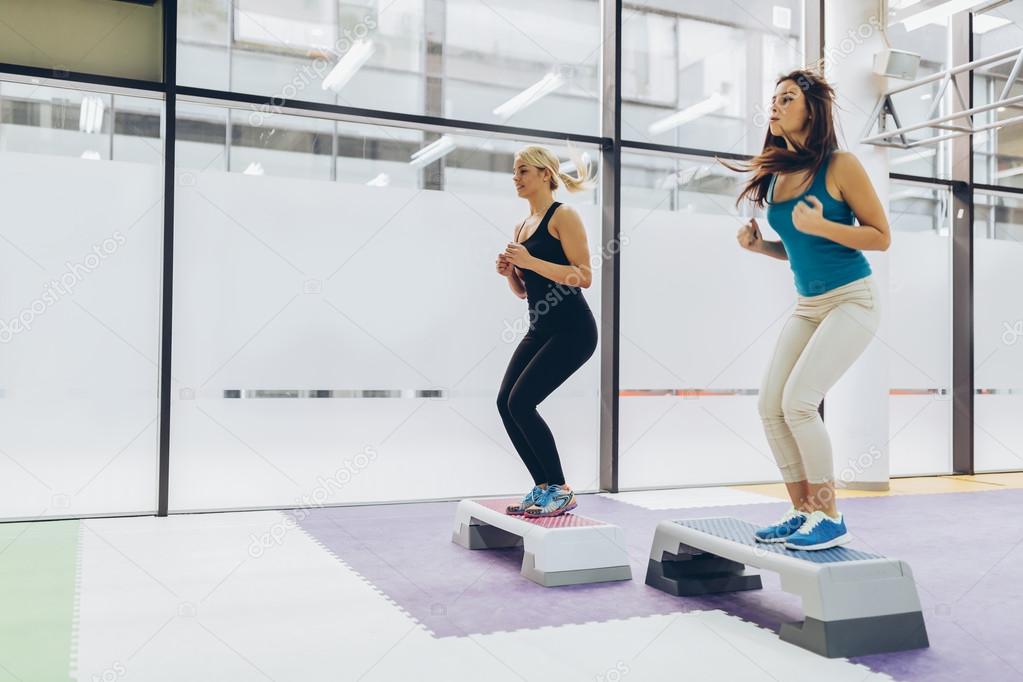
(896, 63)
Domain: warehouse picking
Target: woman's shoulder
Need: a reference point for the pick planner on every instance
(844, 161)
(564, 212)
(563, 215)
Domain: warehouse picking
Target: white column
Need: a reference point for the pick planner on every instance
(856, 410)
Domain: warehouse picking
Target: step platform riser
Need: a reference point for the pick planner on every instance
(854, 603)
(563, 550)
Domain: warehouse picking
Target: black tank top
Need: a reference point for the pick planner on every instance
(551, 305)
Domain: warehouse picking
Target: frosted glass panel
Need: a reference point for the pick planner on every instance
(697, 313)
(918, 339)
(998, 334)
(290, 284)
(701, 75)
(79, 334)
(700, 314)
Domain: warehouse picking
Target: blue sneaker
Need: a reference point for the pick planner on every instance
(820, 531)
(529, 500)
(554, 501)
(780, 531)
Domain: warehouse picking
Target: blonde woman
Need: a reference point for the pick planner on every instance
(548, 264)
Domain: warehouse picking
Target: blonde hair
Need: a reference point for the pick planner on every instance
(541, 157)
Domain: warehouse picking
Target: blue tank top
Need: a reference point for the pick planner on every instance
(818, 264)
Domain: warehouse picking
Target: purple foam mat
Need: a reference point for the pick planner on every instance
(965, 549)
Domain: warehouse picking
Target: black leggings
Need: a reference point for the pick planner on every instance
(542, 361)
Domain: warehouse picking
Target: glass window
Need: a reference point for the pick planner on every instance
(536, 66)
(997, 330)
(88, 125)
(365, 314)
(917, 337)
(914, 106)
(80, 298)
(998, 152)
(918, 104)
(698, 81)
(685, 392)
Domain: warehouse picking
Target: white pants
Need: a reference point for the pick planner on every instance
(821, 340)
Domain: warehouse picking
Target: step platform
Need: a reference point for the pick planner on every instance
(557, 550)
(854, 603)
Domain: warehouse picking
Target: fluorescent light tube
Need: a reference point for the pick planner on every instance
(433, 151)
(348, 65)
(90, 118)
(690, 113)
(530, 95)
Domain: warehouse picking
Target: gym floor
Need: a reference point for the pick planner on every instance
(381, 593)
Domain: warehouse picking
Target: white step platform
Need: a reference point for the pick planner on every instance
(854, 603)
(558, 550)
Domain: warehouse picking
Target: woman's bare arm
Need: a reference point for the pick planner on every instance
(872, 233)
(773, 249)
(577, 251)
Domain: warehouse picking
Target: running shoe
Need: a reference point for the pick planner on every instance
(780, 531)
(819, 531)
(554, 501)
(527, 501)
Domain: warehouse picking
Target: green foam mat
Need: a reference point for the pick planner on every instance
(37, 599)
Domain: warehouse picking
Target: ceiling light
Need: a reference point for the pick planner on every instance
(690, 113)
(530, 95)
(90, 118)
(433, 151)
(346, 67)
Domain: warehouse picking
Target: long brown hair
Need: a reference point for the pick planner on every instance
(776, 157)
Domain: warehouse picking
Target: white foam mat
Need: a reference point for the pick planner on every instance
(182, 598)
